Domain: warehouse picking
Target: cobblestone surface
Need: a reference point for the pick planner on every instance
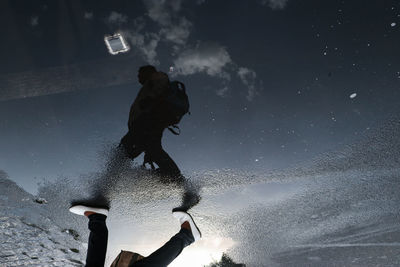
(28, 237)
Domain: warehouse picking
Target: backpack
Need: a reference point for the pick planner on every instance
(177, 103)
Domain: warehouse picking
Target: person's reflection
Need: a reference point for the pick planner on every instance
(149, 116)
(156, 107)
(98, 238)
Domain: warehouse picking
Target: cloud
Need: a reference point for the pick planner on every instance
(275, 4)
(214, 60)
(162, 11)
(34, 21)
(249, 78)
(174, 31)
(207, 58)
(174, 27)
(88, 15)
(117, 18)
(146, 43)
(223, 91)
(177, 33)
(142, 41)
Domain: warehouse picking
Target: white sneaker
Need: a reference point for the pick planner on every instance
(186, 217)
(81, 209)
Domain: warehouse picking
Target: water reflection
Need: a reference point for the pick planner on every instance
(345, 200)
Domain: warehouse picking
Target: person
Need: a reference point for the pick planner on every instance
(98, 238)
(147, 122)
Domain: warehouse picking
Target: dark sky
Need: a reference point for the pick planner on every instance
(269, 81)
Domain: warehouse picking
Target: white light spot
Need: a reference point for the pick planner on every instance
(171, 69)
(353, 95)
(393, 24)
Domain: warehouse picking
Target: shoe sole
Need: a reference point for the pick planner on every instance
(81, 209)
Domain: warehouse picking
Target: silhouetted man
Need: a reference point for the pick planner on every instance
(98, 239)
(147, 121)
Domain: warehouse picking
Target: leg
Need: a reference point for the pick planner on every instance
(131, 144)
(157, 154)
(164, 161)
(167, 253)
(147, 136)
(97, 245)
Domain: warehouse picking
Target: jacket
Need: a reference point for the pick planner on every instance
(149, 97)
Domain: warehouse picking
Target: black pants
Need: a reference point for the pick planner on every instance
(97, 246)
(167, 253)
(98, 237)
(146, 137)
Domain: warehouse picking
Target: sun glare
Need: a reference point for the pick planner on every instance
(204, 252)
